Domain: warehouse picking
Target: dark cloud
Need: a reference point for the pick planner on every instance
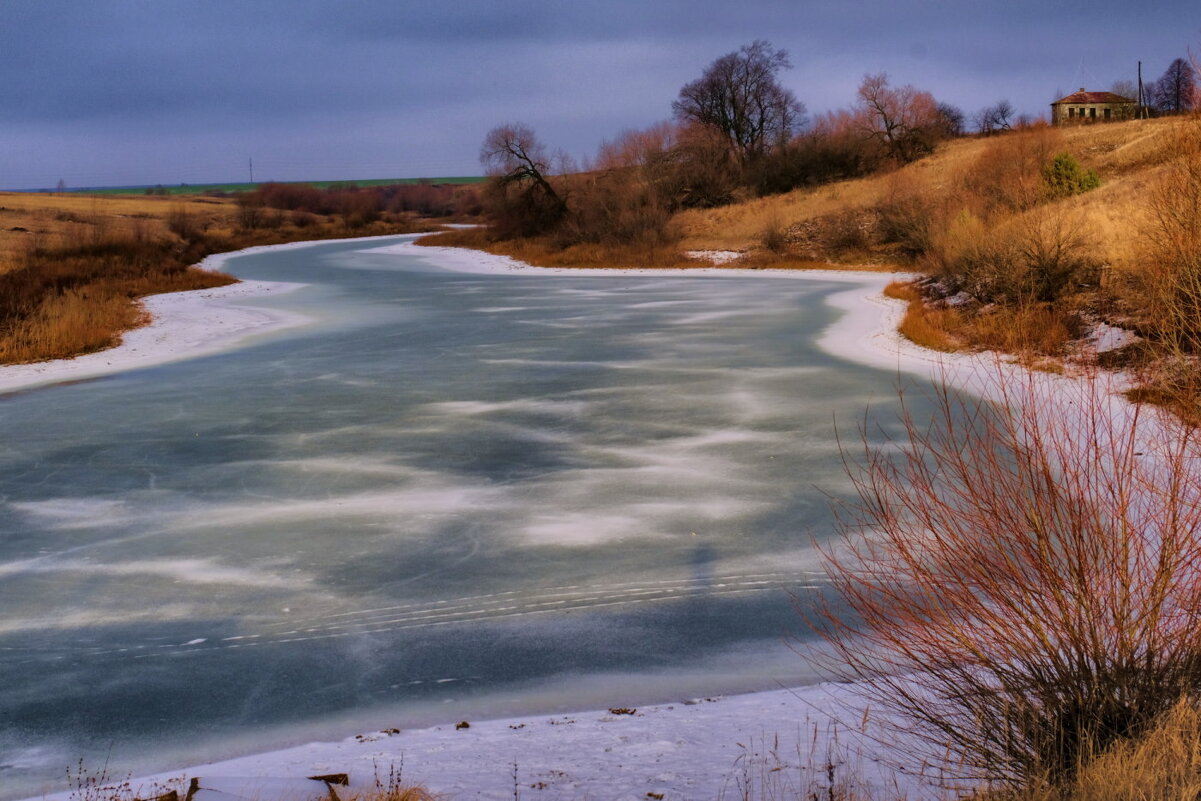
(146, 91)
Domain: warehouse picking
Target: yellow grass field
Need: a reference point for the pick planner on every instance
(72, 266)
(1126, 155)
(27, 218)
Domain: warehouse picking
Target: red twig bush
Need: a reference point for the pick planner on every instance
(1023, 578)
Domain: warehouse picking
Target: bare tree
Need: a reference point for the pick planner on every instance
(513, 154)
(904, 119)
(739, 96)
(951, 120)
(522, 199)
(1128, 90)
(1175, 90)
(1025, 576)
(995, 118)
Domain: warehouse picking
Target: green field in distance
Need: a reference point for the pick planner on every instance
(198, 189)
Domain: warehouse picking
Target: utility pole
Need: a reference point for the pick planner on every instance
(252, 166)
(1141, 106)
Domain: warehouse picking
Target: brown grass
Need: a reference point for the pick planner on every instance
(55, 218)
(70, 281)
(1033, 330)
(923, 325)
(1030, 331)
(1162, 765)
(542, 253)
(63, 301)
(1125, 155)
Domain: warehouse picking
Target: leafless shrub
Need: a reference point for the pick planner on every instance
(849, 231)
(1035, 257)
(910, 219)
(774, 237)
(303, 219)
(180, 222)
(250, 213)
(698, 171)
(1024, 578)
(616, 208)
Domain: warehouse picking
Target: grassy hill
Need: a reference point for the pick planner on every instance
(1127, 156)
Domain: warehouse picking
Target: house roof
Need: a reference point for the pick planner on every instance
(1092, 97)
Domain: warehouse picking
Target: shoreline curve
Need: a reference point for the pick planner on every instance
(183, 325)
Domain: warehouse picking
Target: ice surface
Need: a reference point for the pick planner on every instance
(448, 489)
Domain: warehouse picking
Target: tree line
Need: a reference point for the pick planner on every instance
(735, 132)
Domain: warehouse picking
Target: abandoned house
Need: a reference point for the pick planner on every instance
(1085, 106)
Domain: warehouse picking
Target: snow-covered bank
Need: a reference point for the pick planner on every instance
(702, 748)
(183, 325)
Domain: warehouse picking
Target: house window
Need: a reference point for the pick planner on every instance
(1092, 113)
(1071, 113)
(1108, 113)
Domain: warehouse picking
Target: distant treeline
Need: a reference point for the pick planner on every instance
(357, 205)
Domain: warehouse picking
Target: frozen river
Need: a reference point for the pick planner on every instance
(452, 495)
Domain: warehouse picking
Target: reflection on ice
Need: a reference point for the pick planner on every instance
(515, 482)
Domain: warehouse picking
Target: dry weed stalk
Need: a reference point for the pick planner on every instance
(1175, 247)
(1025, 578)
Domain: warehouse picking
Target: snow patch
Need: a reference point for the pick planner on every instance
(718, 257)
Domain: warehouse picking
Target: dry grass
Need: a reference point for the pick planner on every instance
(544, 254)
(63, 301)
(55, 218)
(923, 325)
(1163, 765)
(72, 272)
(1125, 155)
(1031, 331)
(540, 252)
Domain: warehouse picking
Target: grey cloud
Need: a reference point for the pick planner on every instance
(144, 90)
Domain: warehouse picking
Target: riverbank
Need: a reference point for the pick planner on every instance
(187, 325)
(775, 744)
(182, 325)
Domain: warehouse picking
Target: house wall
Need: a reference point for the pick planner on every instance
(1070, 113)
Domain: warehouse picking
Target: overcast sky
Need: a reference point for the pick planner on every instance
(111, 92)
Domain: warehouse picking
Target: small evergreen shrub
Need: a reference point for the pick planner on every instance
(1064, 177)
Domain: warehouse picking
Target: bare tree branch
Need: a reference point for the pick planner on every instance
(738, 95)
